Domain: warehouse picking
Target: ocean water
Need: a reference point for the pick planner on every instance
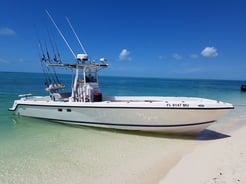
(38, 151)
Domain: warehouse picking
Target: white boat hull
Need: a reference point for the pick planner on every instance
(164, 115)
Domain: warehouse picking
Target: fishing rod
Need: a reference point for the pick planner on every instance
(52, 78)
(47, 53)
(58, 53)
(59, 60)
(43, 59)
(55, 60)
(41, 56)
(57, 56)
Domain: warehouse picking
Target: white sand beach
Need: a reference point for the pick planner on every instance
(220, 161)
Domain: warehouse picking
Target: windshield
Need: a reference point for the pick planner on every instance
(91, 75)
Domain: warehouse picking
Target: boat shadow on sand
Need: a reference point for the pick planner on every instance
(208, 134)
(204, 135)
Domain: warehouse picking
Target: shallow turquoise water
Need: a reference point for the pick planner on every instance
(38, 151)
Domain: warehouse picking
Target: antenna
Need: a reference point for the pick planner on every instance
(82, 47)
(52, 20)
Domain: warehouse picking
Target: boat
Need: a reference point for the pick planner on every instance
(243, 87)
(86, 105)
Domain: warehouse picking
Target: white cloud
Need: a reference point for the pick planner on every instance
(21, 60)
(162, 57)
(209, 52)
(177, 56)
(124, 55)
(4, 61)
(5, 31)
(194, 56)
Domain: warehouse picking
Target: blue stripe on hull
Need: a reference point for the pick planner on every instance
(129, 125)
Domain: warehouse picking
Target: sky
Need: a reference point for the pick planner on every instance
(140, 38)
